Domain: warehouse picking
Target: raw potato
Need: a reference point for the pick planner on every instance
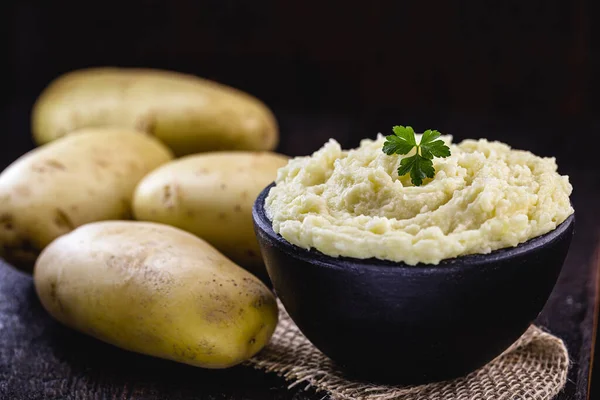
(85, 177)
(156, 290)
(188, 113)
(211, 195)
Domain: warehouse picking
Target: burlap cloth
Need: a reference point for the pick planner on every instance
(534, 367)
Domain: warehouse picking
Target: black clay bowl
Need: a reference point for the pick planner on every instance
(389, 321)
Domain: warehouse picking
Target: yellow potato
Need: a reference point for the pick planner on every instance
(211, 195)
(189, 114)
(85, 177)
(157, 290)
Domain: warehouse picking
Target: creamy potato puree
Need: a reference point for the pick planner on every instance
(485, 196)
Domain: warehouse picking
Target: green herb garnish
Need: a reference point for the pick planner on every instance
(418, 165)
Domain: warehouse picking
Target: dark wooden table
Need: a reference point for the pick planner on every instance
(40, 359)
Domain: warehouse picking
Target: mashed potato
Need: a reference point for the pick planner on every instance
(484, 197)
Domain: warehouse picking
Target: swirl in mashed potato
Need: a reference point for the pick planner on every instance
(485, 196)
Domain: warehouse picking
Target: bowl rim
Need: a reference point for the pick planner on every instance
(314, 256)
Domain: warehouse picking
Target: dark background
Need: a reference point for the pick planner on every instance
(507, 57)
(524, 72)
(458, 66)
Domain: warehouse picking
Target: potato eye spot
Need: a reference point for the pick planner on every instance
(62, 220)
(7, 221)
(54, 296)
(55, 164)
(48, 166)
(169, 195)
(22, 190)
(101, 163)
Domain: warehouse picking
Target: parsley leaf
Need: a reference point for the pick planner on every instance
(418, 165)
(401, 142)
(419, 168)
(396, 145)
(429, 136)
(433, 148)
(405, 132)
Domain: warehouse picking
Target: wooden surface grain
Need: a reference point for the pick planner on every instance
(40, 359)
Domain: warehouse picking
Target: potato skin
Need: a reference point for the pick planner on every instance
(189, 114)
(211, 195)
(88, 176)
(156, 290)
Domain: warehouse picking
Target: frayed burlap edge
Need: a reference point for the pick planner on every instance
(534, 368)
